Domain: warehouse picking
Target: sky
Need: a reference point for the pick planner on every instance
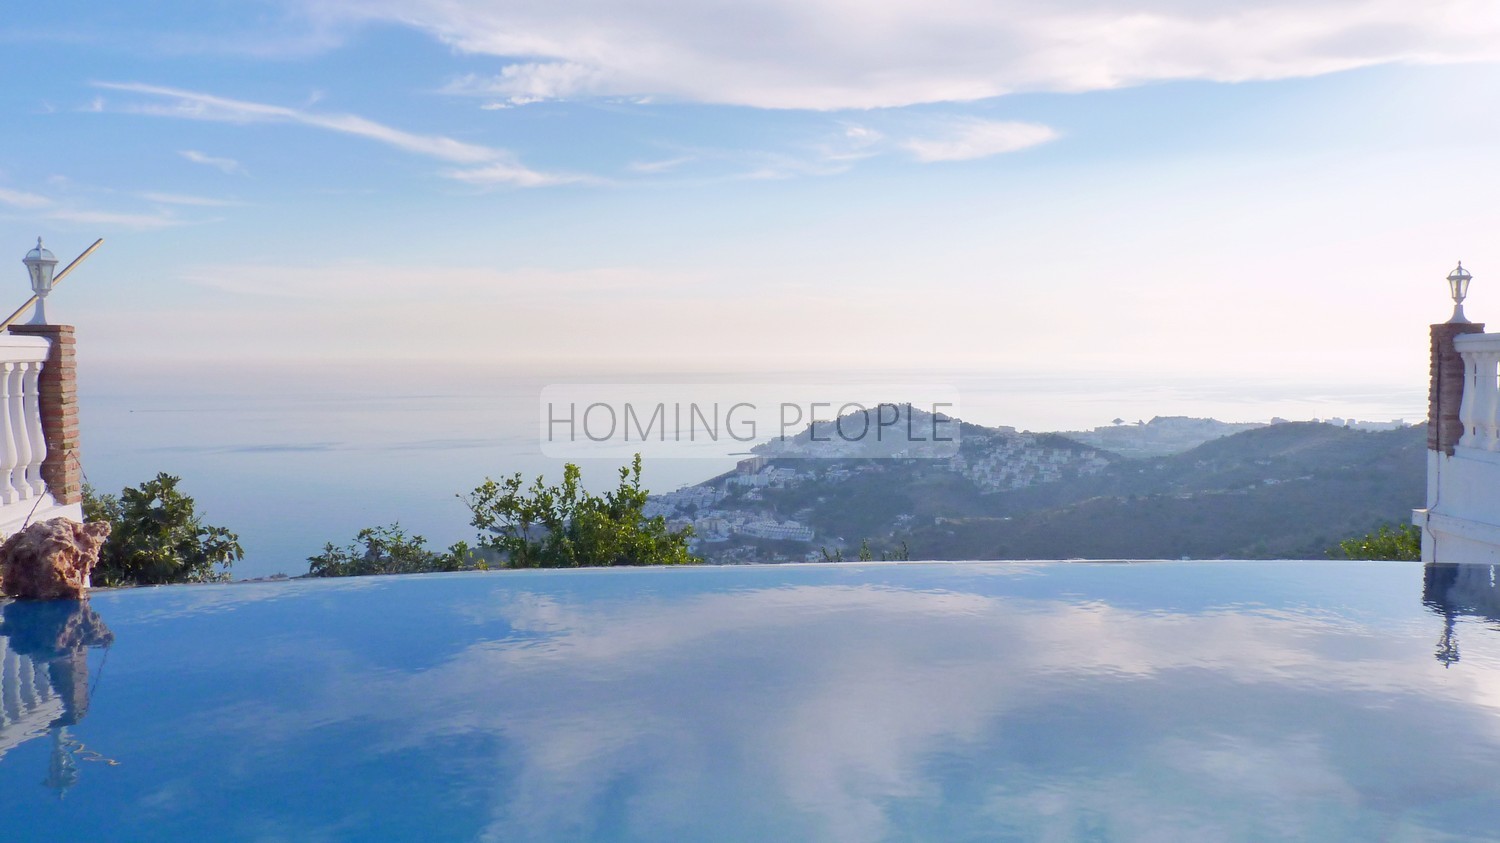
(1147, 188)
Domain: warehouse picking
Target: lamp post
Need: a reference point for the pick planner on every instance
(40, 264)
(1458, 287)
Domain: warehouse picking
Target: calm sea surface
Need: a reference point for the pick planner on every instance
(292, 459)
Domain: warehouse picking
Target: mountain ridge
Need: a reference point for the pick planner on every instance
(1286, 490)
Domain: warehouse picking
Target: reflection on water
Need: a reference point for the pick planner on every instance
(1192, 701)
(1459, 590)
(45, 680)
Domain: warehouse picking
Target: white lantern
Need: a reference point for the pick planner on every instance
(40, 264)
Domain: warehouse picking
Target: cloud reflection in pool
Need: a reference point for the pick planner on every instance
(850, 703)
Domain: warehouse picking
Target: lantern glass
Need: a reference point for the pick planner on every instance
(41, 277)
(1458, 284)
(40, 264)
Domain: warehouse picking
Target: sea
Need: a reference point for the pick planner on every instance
(293, 457)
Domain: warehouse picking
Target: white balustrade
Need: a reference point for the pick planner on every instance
(24, 497)
(15, 404)
(36, 440)
(1480, 410)
(9, 455)
(22, 445)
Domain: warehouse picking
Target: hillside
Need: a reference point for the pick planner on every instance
(1284, 491)
(1280, 491)
(1159, 437)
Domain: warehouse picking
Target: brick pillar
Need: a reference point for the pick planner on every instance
(1445, 391)
(58, 386)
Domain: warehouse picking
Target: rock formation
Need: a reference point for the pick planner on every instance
(51, 560)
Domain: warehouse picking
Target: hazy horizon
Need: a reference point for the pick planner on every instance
(303, 457)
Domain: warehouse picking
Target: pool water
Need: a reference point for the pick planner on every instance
(851, 702)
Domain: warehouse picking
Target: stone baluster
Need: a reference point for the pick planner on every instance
(20, 428)
(1490, 389)
(34, 435)
(1468, 409)
(1479, 411)
(8, 456)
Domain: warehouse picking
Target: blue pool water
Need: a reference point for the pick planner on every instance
(946, 702)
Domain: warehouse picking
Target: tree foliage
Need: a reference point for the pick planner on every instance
(388, 550)
(156, 537)
(1400, 542)
(563, 526)
(899, 553)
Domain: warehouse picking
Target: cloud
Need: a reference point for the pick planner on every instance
(661, 166)
(499, 164)
(23, 200)
(970, 139)
(520, 84)
(342, 282)
(64, 211)
(195, 201)
(774, 165)
(926, 138)
(228, 166)
(866, 709)
(509, 172)
(861, 135)
(137, 222)
(831, 54)
(199, 106)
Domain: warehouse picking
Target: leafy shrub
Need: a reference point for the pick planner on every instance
(388, 550)
(157, 537)
(1398, 541)
(563, 526)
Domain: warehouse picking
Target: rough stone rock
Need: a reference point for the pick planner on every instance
(51, 560)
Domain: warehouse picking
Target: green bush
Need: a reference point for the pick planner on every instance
(563, 526)
(156, 537)
(1390, 541)
(388, 550)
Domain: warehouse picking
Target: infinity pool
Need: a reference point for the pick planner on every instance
(852, 702)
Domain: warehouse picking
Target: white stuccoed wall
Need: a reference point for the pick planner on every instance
(1462, 518)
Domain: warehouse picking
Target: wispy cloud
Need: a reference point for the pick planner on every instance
(509, 172)
(134, 221)
(662, 166)
(193, 201)
(65, 209)
(925, 138)
(969, 139)
(772, 165)
(228, 166)
(23, 200)
(343, 281)
(200, 106)
(498, 165)
(833, 54)
(520, 84)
